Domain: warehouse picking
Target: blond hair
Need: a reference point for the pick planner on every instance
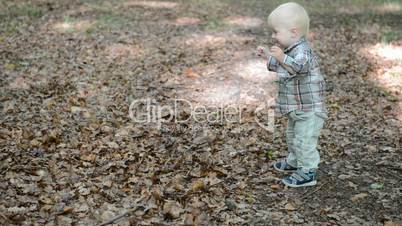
(291, 15)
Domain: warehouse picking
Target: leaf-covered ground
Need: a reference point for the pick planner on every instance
(71, 155)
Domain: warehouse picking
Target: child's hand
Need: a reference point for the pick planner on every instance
(262, 52)
(277, 52)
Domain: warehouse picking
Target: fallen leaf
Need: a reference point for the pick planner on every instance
(290, 207)
(376, 186)
(275, 186)
(359, 197)
(172, 209)
(198, 185)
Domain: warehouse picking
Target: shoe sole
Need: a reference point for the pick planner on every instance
(311, 183)
(286, 171)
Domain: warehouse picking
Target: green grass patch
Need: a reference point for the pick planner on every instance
(23, 9)
(98, 7)
(214, 24)
(208, 4)
(14, 17)
(70, 21)
(10, 27)
(269, 154)
(389, 96)
(395, 74)
(16, 64)
(109, 21)
(391, 36)
(106, 16)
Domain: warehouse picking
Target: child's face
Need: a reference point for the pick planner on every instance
(283, 36)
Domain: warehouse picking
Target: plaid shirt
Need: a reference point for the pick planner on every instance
(301, 84)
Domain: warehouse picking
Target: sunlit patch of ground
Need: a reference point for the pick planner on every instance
(391, 80)
(246, 83)
(389, 76)
(203, 40)
(72, 26)
(119, 50)
(215, 40)
(388, 52)
(243, 21)
(254, 70)
(181, 21)
(388, 7)
(152, 4)
(217, 93)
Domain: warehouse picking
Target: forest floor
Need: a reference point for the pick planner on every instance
(72, 155)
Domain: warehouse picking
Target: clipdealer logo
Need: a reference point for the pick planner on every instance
(150, 111)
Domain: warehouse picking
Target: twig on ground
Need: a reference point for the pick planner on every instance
(4, 217)
(119, 216)
(305, 195)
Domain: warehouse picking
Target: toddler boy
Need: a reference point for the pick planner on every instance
(301, 92)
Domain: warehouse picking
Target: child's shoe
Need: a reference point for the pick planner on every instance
(300, 179)
(283, 166)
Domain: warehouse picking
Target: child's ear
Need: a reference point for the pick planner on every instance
(295, 32)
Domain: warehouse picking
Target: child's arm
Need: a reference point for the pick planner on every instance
(272, 63)
(297, 65)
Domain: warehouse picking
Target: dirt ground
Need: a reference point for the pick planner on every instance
(72, 155)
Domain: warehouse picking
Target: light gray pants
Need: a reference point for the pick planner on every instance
(302, 134)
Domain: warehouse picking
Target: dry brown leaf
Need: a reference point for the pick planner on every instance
(198, 185)
(290, 207)
(359, 197)
(172, 209)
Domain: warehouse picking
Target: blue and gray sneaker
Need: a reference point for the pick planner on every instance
(300, 179)
(283, 166)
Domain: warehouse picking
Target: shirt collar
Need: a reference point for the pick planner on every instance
(288, 49)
